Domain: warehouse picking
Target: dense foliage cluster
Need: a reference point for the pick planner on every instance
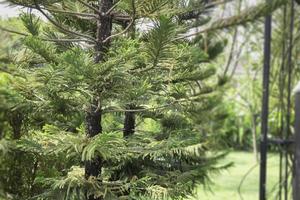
(104, 102)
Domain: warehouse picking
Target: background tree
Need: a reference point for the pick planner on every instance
(147, 75)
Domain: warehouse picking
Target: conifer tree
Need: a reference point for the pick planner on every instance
(94, 77)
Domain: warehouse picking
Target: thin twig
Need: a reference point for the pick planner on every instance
(153, 108)
(46, 39)
(243, 179)
(232, 48)
(237, 59)
(61, 27)
(112, 8)
(86, 15)
(120, 33)
(247, 15)
(12, 31)
(91, 7)
(234, 38)
(140, 110)
(195, 12)
(65, 40)
(129, 25)
(121, 17)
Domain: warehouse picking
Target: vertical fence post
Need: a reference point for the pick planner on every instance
(265, 107)
(296, 167)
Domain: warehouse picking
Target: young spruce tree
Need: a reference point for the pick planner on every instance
(115, 104)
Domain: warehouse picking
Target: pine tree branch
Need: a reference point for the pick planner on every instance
(247, 15)
(85, 15)
(195, 13)
(121, 17)
(7, 71)
(121, 33)
(129, 25)
(66, 40)
(12, 31)
(61, 27)
(177, 101)
(121, 22)
(113, 7)
(46, 39)
(91, 7)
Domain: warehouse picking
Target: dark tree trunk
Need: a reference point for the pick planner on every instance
(129, 124)
(93, 121)
(104, 27)
(1, 132)
(94, 114)
(15, 121)
(93, 127)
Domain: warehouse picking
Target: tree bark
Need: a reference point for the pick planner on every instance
(1, 132)
(129, 124)
(104, 27)
(93, 128)
(94, 113)
(16, 121)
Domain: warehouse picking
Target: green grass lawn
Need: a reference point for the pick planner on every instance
(226, 184)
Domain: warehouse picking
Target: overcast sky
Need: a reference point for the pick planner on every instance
(6, 11)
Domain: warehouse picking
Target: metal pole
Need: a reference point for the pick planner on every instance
(296, 177)
(288, 116)
(282, 108)
(265, 107)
